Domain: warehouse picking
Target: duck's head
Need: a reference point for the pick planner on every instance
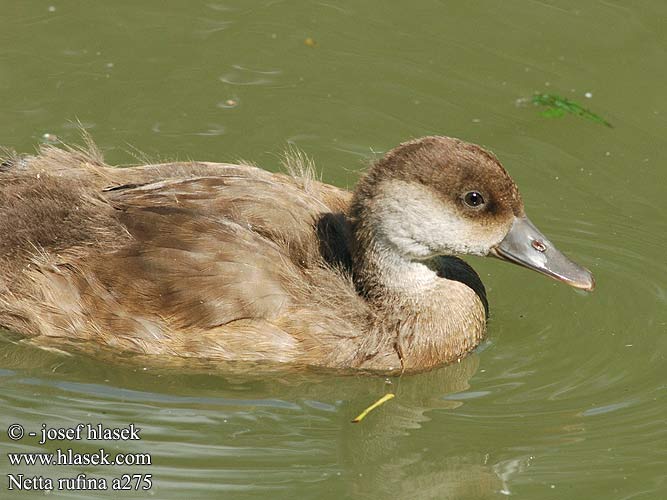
(441, 196)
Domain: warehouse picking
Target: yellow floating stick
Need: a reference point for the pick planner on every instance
(372, 407)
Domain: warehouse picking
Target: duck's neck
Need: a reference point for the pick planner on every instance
(381, 272)
(426, 319)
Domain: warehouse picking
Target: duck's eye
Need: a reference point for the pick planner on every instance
(473, 199)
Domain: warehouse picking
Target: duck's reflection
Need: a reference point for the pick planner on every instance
(387, 458)
(395, 452)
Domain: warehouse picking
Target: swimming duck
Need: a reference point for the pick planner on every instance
(233, 263)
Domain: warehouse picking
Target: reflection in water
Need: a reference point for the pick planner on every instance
(244, 424)
(382, 461)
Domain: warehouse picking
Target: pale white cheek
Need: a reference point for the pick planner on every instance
(419, 225)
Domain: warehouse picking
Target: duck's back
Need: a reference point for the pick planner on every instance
(193, 259)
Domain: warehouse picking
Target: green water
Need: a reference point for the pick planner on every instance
(565, 400)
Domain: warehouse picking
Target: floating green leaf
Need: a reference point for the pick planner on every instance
(557, 106)
(553, 112)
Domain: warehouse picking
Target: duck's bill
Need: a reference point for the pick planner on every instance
(527, 246)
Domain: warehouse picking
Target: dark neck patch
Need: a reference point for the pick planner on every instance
(453, 268)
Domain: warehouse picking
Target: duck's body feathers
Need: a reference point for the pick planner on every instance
(233, 263)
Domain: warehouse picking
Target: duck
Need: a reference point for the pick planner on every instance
(231, 263)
